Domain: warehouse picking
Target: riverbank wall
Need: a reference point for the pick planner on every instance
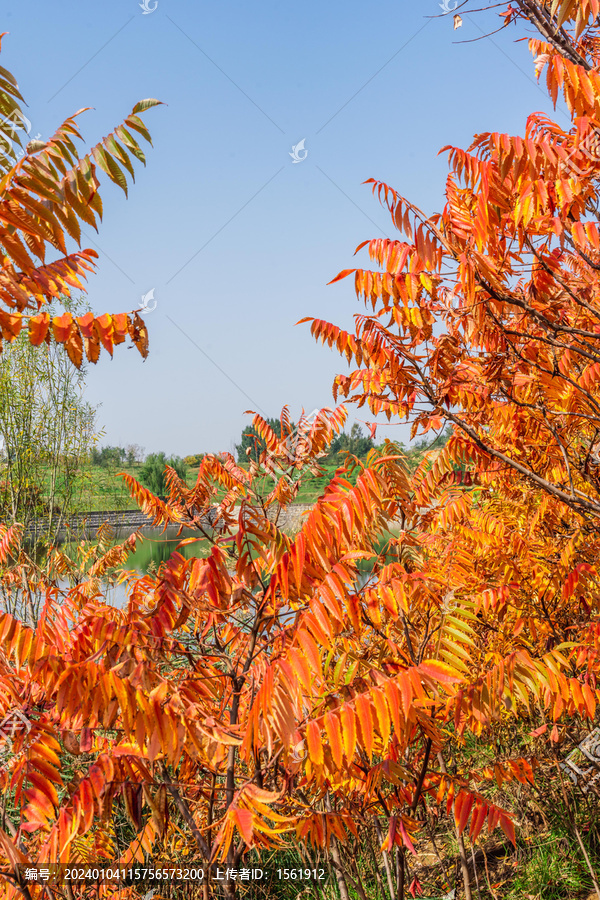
(83, 526)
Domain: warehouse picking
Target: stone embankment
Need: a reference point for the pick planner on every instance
(85, 525)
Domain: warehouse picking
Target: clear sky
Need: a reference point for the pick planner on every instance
(238, 241)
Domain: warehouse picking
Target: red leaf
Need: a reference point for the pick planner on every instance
(415, 887)
(541, 730)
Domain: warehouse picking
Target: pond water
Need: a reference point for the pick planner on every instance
(158, 545)
(155, 547)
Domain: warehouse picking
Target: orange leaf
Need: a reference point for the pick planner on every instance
(462, 808)
(538, 731)
(310, 649)
(61, 327)
(313, 740)
(348, 731)
(38, 328)
(244, 819)
(507, 826)
(589, 699)
(343, 274)
(405, 838)
(383, 716)
(332, 727)
(139, 334)
(105, 330)
(11, 325)
(74, 347)
(478, 819)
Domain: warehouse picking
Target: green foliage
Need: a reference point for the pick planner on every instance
(29, 500)
(193, 459)
(105, 457)
(552, 869)
(355, 443)
(152, 473)
(46, 428)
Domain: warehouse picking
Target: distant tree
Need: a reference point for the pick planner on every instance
(356, 443)
(436, 443)
(250, 439)
(416, 452)
(152, 473)
(108, 456)
(135, 454)
(194, 459)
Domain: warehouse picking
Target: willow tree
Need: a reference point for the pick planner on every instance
(46, 428)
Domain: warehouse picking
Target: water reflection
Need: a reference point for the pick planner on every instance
(158, 545)
(155, 548)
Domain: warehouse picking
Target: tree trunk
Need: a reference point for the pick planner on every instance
(461, 844)
(337, 860)
(386, 862)
(339, 871)
(400, 872)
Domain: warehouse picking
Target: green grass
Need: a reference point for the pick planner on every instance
(100, 488)
(552, 870)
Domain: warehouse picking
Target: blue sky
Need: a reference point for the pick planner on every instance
(238, 241)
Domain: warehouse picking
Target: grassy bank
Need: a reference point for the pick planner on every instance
(101, 488)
